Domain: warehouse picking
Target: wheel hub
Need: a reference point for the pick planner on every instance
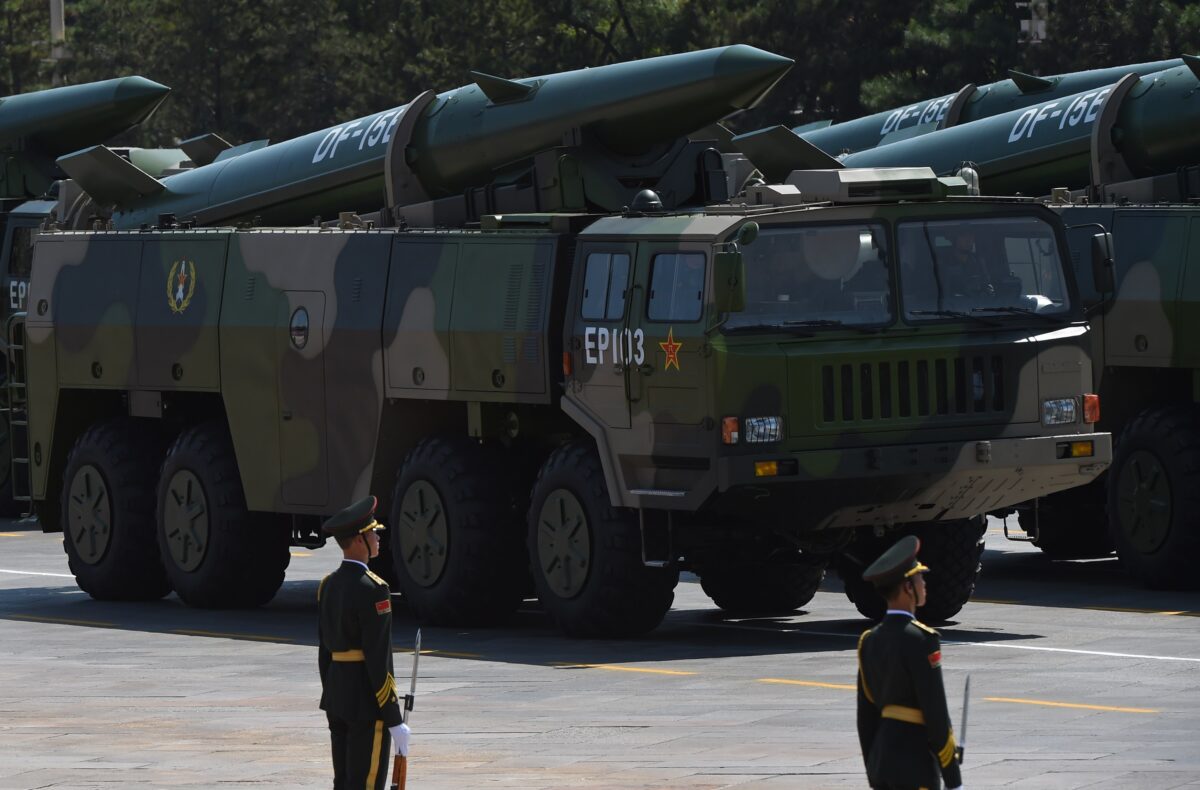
(564, 543)
(1144, 502)
(89, 514)
(423, 535)
(185, 520)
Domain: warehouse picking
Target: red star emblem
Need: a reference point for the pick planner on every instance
(671, 349)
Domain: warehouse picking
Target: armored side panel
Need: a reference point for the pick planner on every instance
(302, 362)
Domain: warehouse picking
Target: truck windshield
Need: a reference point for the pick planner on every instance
(994, 268)
(818, 276)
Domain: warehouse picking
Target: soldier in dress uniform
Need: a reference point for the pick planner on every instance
(358, 687)
(903, 721)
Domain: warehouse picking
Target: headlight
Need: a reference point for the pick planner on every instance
(762, 429)
(1059, 411)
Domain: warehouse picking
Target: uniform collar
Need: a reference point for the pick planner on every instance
(356, 562)
(902, 612)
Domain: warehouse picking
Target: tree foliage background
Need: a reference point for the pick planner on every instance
(249, 69)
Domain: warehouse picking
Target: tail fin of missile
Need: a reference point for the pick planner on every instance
(1193, 63)
(500, 90)
(204, 149)
(1029, 83)
(776, 151)
(108, 178)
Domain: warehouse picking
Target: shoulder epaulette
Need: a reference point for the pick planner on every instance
(378, 580)
(924, 627)
(321, 586)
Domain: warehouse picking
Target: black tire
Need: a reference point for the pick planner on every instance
(456, 544)
(761, 587)
(217, 553)
(107, 507)
(1073, 524)
(953, 550)
(850, 567)
(1154, 497)
(586, 556)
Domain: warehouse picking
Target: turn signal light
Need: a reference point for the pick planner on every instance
(1075, 449)
(729, 430)
(766, 469)
(1091, 408)
(568, 365)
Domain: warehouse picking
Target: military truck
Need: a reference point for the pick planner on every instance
(35, 128)
(1123, 160)
(548, 393)
(601, 401)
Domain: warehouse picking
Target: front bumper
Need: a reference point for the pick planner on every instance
(908, 483)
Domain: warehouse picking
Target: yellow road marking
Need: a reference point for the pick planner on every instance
(615, 668)
(1048, 704)
(812, 683)
(61, 620)
(252, 637)
(12, 534)
(301, 554)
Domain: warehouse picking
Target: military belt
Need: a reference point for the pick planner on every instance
(903, 713)
(351, 656)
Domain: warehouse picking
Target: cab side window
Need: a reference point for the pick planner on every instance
(605, 281)
(676, 287)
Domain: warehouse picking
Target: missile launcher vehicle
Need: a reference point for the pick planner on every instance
(1120, 159)
(550, 395)
(35, 129)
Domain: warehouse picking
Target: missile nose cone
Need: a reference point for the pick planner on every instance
(748, 73)
(138, 93)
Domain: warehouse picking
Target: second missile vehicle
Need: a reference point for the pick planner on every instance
(35, 129)
(576, 401)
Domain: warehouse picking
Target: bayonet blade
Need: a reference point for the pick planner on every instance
(962, 734)
(412, 687)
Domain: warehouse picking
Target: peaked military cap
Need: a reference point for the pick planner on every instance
(358, 518)
(896, 564)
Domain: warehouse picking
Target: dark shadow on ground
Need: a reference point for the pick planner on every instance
(528, 637)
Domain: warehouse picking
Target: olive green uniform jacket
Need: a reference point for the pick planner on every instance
(355, 614)
(903, 721)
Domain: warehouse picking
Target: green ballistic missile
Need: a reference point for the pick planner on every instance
(1147, 124)
(38, 127)
(451, 141)
(971, 103)
(1137, 127)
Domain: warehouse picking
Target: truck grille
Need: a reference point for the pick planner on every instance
(904, 389)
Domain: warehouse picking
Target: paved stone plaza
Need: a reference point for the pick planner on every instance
(1079, 679)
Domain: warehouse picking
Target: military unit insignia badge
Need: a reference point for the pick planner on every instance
(181, 285)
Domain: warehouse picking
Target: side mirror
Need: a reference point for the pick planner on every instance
(747, 234)
(1102, 263)
(729, 281)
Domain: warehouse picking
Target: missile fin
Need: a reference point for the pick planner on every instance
(812, 127)
(244, 148)
(720, 134)
(1029, 83)
(500, 90)
(1191, 61)
(204, 149)
(107, 177)
(776, 151)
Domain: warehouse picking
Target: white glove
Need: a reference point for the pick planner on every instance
(400, 735)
